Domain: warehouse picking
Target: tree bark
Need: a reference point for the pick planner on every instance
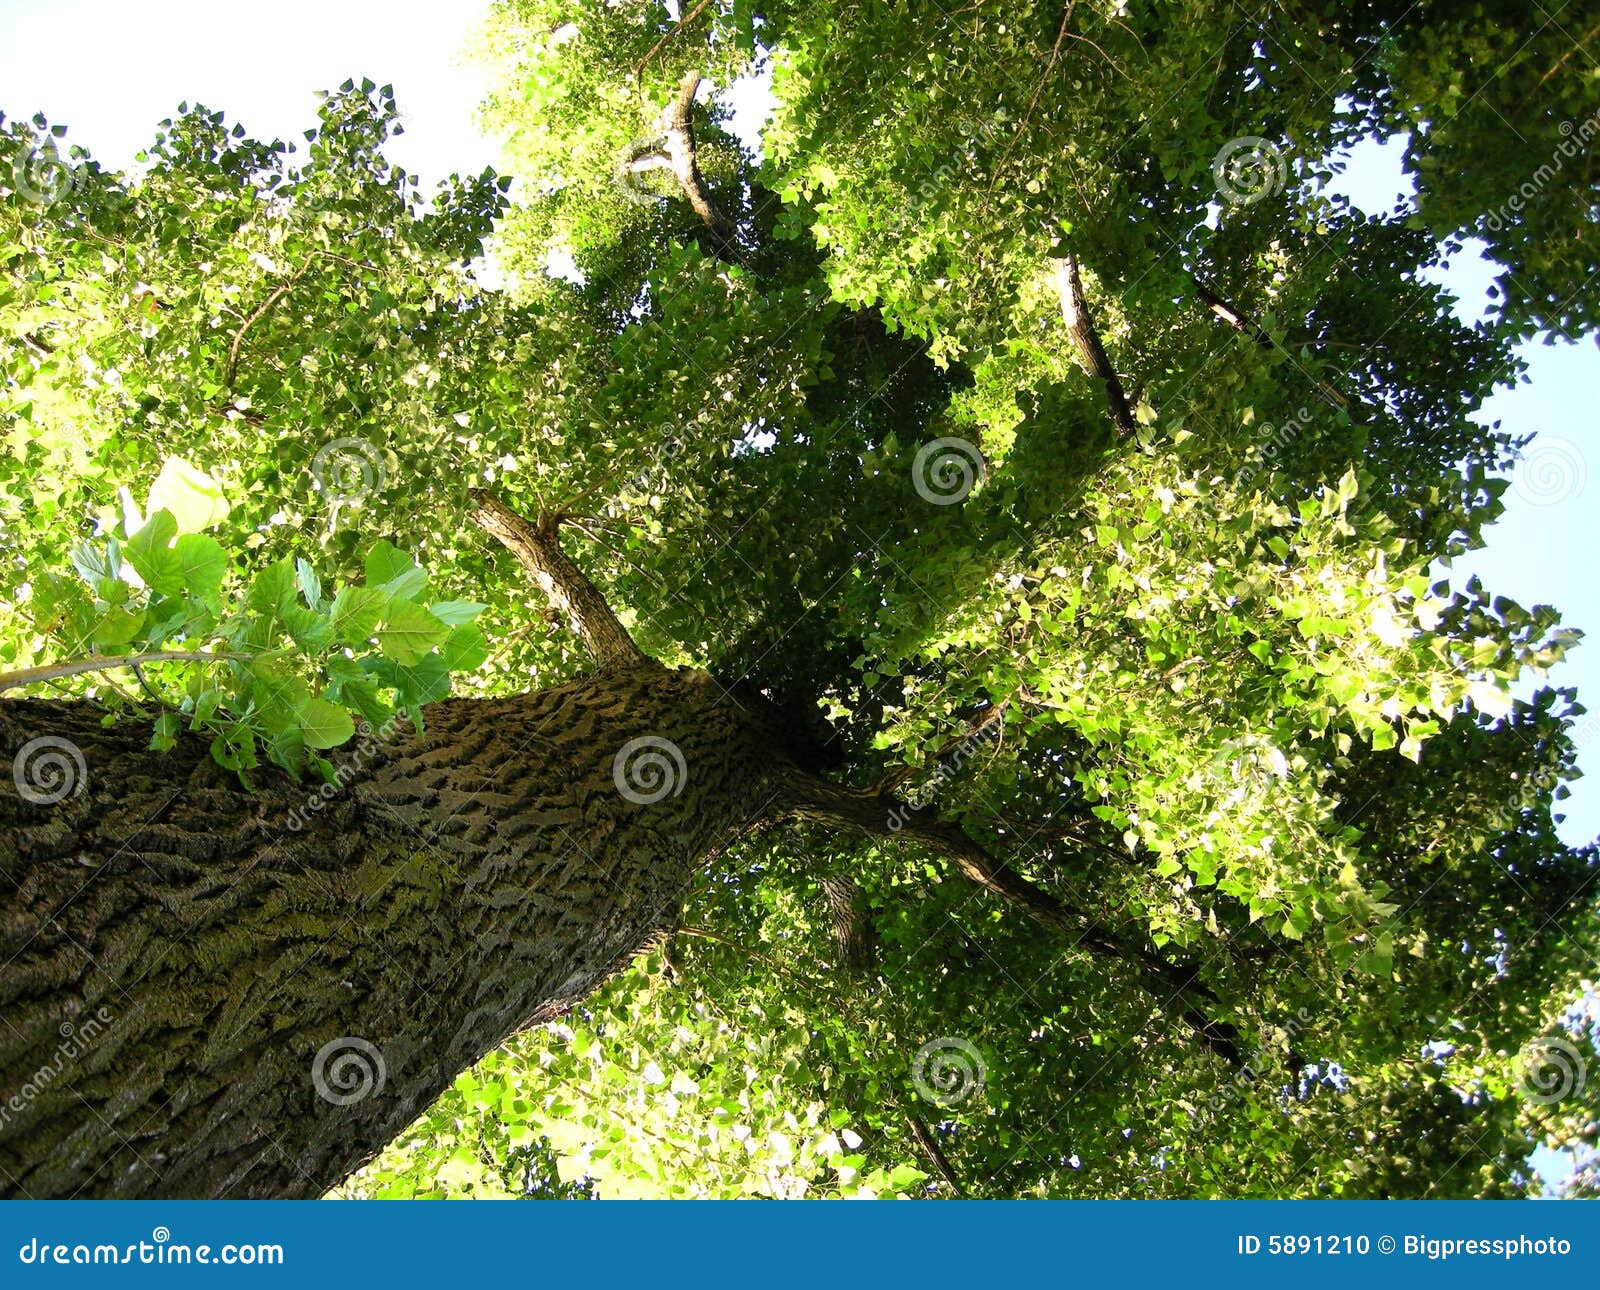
(215, 991)
(1086, 343)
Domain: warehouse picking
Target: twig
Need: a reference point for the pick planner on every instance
(682, 23)
(102, 662)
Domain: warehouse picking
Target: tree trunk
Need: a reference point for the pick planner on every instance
(208, 990)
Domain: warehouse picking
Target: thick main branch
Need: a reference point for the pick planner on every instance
(678, 128)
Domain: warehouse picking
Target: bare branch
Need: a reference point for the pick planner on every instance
(682, 23)
(1246, 326)
(1086, 340)
(936, 1157)
(105, 662)
(538, 548)
(676, 125)
(1174, 986)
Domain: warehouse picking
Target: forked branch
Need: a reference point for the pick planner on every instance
(678, 128)
(537, 547)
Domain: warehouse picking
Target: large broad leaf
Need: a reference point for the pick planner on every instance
(150, 553)
(324, 724)
(409, 631)
(195, 499)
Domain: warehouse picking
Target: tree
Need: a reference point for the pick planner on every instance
(1009, 694)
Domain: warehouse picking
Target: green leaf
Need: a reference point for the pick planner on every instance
(408, 632)
(355, 613)
(202, 564)
(456, 612)
(193, 498)
(150, 553)
(324, 724)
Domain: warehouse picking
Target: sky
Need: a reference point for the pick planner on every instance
(99, 67)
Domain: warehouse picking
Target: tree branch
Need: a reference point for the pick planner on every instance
(1246, 326)
(104, 662)
(871, 814)
(1086, 340)
(538, 549)
(682, 23)
(677, 126)
(282, 289)
(854, 935)
(936, 1157)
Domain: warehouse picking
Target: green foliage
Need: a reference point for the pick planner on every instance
(1236, 709)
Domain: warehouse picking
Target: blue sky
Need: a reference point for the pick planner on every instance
(110, 70)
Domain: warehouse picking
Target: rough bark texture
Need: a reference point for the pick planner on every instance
(177, 950)
(678, 128)
(1086, 343)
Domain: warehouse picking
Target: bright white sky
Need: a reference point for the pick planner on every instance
(110, 69)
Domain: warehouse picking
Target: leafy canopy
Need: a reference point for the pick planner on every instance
(1205, 681)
